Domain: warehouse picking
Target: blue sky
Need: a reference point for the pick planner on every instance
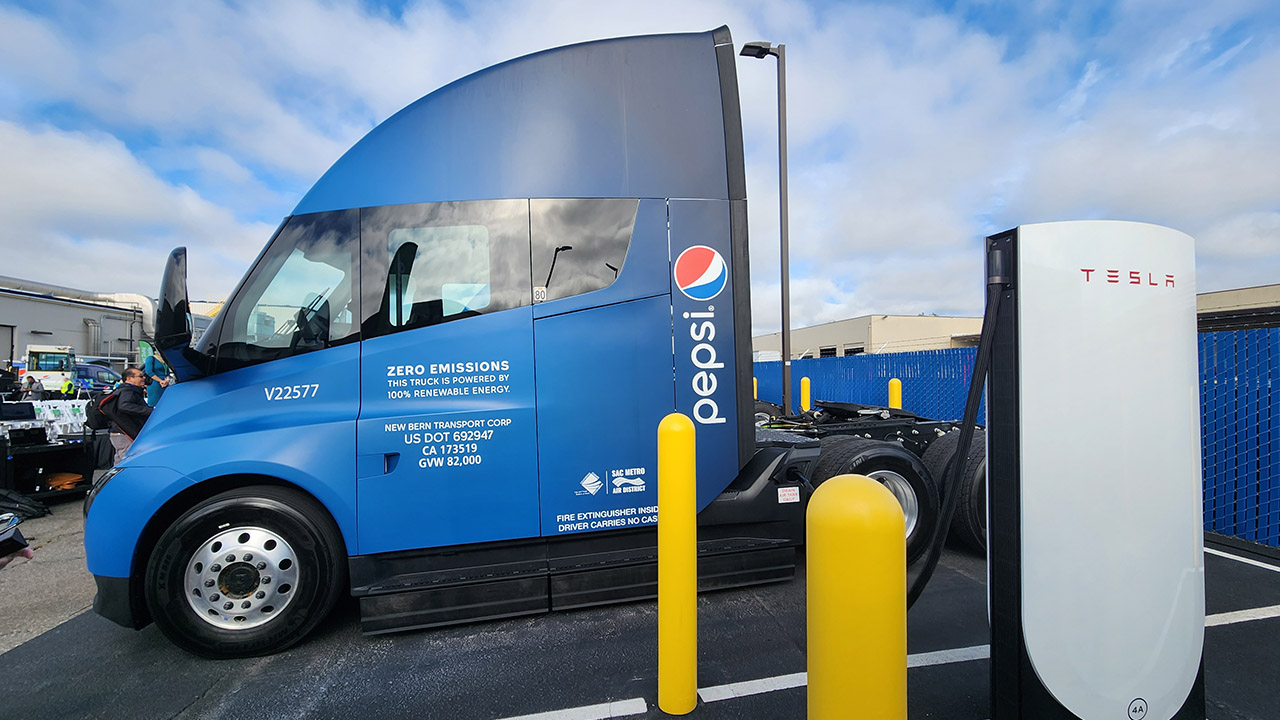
(916, 128)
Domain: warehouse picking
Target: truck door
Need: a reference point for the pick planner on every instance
(446, 441)
(603, 334)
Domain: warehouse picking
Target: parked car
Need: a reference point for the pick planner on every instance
(96, 377)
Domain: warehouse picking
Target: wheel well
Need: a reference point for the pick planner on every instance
(171, 511)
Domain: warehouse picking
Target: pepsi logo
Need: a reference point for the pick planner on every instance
(701, 273)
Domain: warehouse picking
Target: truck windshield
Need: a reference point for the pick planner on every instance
(50, 362)
(299, 297)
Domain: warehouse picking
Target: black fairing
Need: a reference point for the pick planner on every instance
(173, 319)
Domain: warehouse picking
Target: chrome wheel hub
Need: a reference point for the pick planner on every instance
(901, 490)
(241, 578)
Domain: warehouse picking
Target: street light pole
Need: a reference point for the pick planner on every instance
(763, 50)
(555, 255)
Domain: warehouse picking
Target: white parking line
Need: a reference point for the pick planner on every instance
(753, 687)
(1245, 560)
(716, 693)
(943, 657)
(603, 711)
(1239, 616)
(940, 657)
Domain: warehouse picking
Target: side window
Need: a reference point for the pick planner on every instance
(578, 245)
(301, 296)
(437, 262)
(50, 362)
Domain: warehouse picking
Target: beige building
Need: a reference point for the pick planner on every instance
(1222, 310)
(1239, 309)
(872, 334)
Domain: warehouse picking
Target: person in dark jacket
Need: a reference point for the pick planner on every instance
(32, 389)
(131, 411)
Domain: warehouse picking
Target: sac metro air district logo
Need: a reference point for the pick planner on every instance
(627, 480)
(591, 484)
(701, 273)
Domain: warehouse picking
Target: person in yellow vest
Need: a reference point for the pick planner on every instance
(68, 390)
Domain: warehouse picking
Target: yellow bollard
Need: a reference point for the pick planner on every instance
(755, 388)
(895, 393)
(677, 566)
(804, 394)
(857, 601)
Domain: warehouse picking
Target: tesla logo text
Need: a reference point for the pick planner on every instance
(1131, 277)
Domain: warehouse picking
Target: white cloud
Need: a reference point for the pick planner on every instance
(1197, 152)
(1079, 95)
(917, 120)
(1227, 55)
(912, 134)
(937, 138)
(81, 210)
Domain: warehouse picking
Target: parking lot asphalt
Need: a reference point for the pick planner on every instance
(39, 594)
(592, 663)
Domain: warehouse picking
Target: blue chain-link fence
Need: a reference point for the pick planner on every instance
(1239, 411)
(934, 382)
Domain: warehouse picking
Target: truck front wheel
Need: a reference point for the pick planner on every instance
(247, 572)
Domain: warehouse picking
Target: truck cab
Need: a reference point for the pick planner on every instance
(438, 387)
(52, 365)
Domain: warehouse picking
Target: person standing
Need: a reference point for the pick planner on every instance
(32, 388)
(130, 412)
(158, 378)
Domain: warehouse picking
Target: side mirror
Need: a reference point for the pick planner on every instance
(173, 320)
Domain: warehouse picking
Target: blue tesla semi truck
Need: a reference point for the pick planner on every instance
(438, 386)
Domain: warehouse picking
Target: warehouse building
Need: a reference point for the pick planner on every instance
(1255, 307)
(1221, 310)
(99, 326)
(872, 334)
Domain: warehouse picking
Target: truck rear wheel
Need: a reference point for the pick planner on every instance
(969, 524)
(970, 521)
(898, 470)
(766, 412)
(248, 572)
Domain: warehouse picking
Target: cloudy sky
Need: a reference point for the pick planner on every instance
(916, 128)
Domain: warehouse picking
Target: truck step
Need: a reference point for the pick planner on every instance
(566, 577)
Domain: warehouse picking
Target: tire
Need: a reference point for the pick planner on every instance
(767, 408)
(285, 569)
(937, 457)
(969, 523)
(897, 469)
(828, 464)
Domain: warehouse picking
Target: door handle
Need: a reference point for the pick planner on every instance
(373, 465)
